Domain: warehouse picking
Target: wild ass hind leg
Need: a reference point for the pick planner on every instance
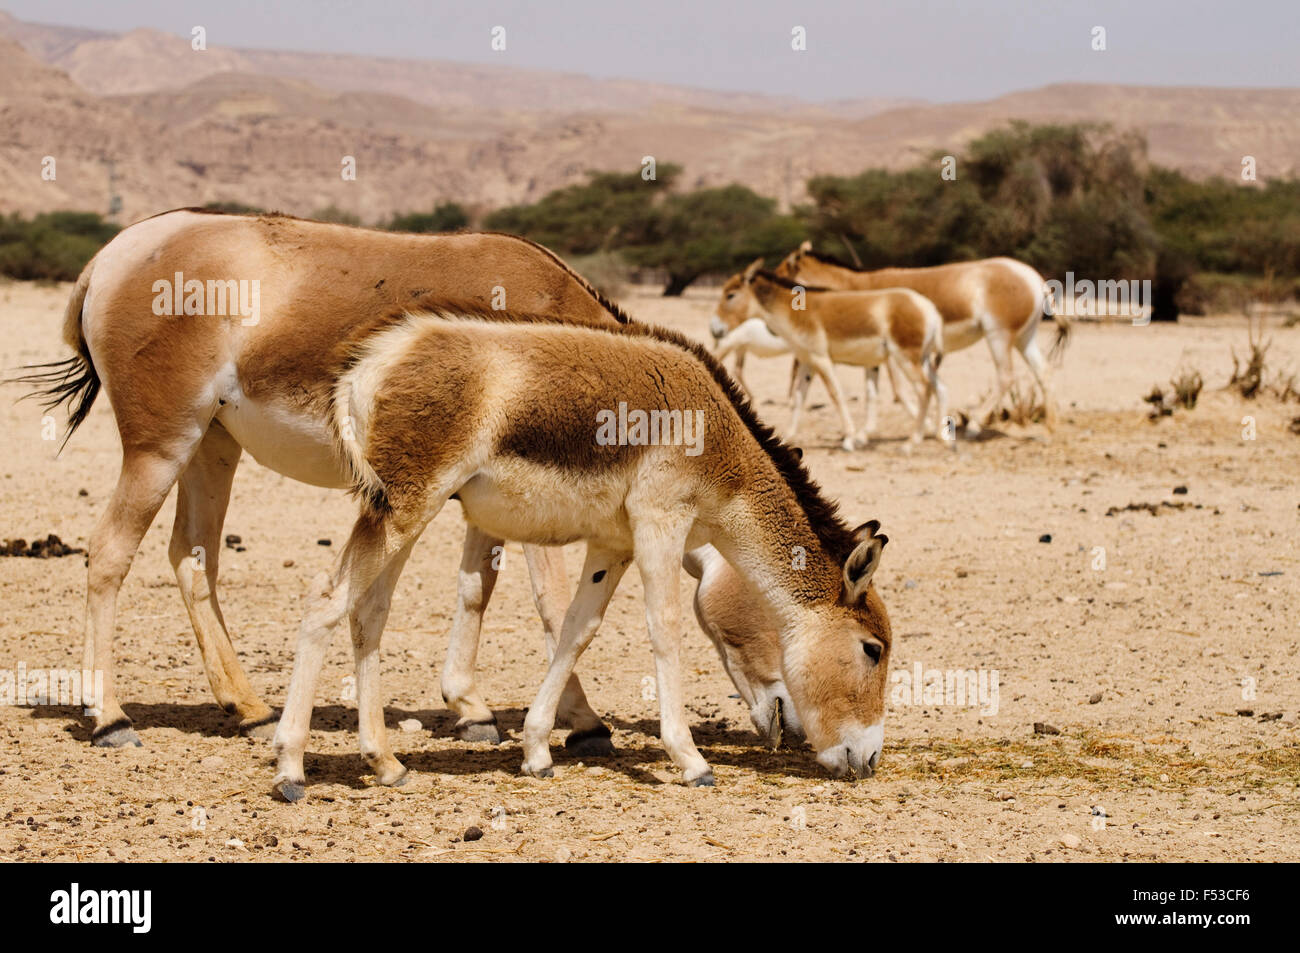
(589, 737)
(1038, 367)
(905, 397)
(1000, 348)
(370, 548)
(601, 572)
(475, 581)
(658, 546)
(145, 480)
(203, 494)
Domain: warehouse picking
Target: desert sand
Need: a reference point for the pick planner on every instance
(1146, 667)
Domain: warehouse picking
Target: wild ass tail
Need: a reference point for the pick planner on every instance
(74, 380)
(1064, 325)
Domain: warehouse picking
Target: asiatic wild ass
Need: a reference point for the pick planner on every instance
(998, 299)
(517, 422)
(861, 328)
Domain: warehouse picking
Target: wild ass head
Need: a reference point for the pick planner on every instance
(836, 662)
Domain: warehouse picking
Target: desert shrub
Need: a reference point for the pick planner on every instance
(608, 272)
(332, 213)
(53, 246)
(446, 217)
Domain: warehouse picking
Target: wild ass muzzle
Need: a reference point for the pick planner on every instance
(504, 417)
(1000, 300)
(861, 328)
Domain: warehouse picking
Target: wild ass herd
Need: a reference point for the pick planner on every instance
(478, 367)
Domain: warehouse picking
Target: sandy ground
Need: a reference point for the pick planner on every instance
(1142, 665)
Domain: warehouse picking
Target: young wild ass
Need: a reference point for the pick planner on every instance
(192, 391)
(516, 421)
(862, 328)
(999, 299)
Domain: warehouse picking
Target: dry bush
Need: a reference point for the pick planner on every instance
(1187, 389)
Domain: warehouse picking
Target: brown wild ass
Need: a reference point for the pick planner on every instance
(862, 328)
(999, 299)
(516, 421)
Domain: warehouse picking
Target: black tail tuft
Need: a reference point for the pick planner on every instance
(72, 381)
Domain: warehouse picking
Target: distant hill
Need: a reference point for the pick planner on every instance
(270, 128)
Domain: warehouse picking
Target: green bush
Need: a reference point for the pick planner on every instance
(53, 246)
(447, 217)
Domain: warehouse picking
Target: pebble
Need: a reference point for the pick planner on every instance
(472, 834)
(1070, 841)
(232, 540)
(1045, 538)
(410, 724)
(1043, 728)
(212, 762)
(1180, 491)
(288, 564)
(1094, 698)
(322, 542)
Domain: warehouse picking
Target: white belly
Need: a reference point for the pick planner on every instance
(961, 334)
(860, 352)
(284, 440)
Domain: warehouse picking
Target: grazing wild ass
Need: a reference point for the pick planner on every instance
(999, 299)
(862, 328)
(191, 392)
(514, 420)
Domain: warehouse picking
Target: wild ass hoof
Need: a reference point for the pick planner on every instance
(479, 731)
(119, 734)
(591, 743)
(262, 729)
(848, 444)
(290, 792)
(705, 780)
(546, 772)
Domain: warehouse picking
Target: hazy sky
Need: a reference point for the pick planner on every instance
(930, 49)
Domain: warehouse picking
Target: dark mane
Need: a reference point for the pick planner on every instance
(826, 259)
(822, 515)
(776, 279)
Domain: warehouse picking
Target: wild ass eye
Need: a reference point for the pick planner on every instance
(873, 650)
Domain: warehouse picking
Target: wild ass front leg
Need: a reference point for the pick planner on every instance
(601, 572)
(195, 551)
(364, 557)
(871, 399)
(803, 380)
(589, 737)
(143, 485)
(479, 565)
(367, 619)
(658, 544)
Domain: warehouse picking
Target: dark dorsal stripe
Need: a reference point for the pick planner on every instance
(826, 259)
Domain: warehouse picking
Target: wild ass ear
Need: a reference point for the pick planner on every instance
(798, 453)
(753, 268)
(861, 566)
(867, 530)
